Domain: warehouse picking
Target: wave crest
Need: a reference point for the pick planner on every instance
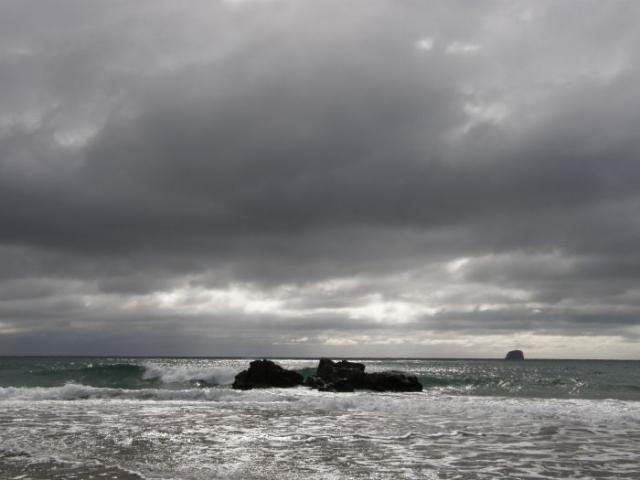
(74, 391)
(137, 375)
(189, 374)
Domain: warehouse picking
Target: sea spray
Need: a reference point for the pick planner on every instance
(188, 373)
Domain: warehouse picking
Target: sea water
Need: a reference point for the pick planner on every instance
(168, 418)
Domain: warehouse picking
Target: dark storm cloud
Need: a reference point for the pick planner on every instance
(453, 166)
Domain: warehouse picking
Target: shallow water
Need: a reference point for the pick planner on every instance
(478, 419)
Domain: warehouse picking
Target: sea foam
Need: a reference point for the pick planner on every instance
(73, 391)
(215, 375)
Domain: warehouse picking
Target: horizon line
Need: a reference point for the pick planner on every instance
(291, 357)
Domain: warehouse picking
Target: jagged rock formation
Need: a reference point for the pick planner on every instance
(392, 381)
(331, 372)
(341, 385)
(515, 355)
(265, 374)
(314, 381)
(345, 376)
(342, 376)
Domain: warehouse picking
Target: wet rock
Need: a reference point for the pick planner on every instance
(314, 381)
(515, 355)
(392, 381)
(265, 374)
(342, 385)
(331, 372)
(345, 376)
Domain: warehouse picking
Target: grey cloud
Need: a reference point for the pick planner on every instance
(148, 148)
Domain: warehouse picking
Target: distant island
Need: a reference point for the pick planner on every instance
(515, 355)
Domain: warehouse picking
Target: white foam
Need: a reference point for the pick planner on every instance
(74, 391)
(579, 410)
(218, 375)
(325, 430)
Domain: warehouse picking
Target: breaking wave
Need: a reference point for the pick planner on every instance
(74, 391)
(186, 374)
(138, 376)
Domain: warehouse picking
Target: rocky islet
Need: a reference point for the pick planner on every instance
(342, 376)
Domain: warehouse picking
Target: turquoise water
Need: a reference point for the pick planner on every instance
(168, 418)
(532, 378)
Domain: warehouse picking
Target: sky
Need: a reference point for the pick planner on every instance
(294, 177)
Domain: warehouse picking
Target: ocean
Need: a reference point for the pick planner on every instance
(178, 418)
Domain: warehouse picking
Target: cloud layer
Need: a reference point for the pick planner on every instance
(300, 178)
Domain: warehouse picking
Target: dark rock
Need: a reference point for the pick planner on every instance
(515, 355)
(314, 381)
(392, 381)
(265, 374)
(332, 372)
(342, 385)
(345, 376)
